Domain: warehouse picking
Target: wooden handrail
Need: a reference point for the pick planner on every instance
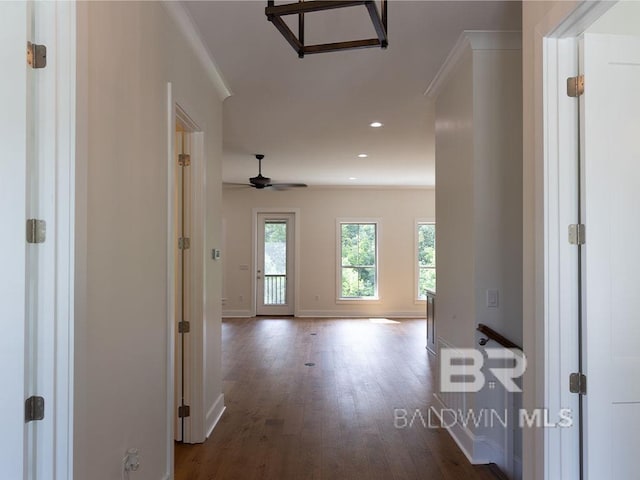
(491, 334)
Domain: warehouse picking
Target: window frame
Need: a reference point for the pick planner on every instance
(416, 262)
(339, 222)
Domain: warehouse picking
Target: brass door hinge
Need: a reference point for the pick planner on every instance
(575, 86)
(577, 234)
(36, 55)
(36, 230)
(578, 383)
(184, 159)
(33, 409)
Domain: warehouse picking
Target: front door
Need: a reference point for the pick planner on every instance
(610, 166)
(274, 272)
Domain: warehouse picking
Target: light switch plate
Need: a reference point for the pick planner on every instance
(492, 298)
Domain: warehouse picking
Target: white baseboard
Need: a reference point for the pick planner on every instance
(464, 438)
(330, 314)
(517, 466)
(214, 414)
(355, 314)
(237, 313)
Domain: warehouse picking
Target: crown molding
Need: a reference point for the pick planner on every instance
(475, 40)
(188, 28)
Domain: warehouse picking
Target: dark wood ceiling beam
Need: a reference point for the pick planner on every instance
(378, 24)
(286, 33)
(274, 14)
(332, 47)
(315, 6)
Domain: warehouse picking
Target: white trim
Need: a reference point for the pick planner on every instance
(338, 261)
(194, 431)
(214, 414)
(574, 19)
(188, 28)
(237, 314)
(543, 382)
(355, 314)
(333, 314)
(195, 428)
(65, 63)
(232, 186)
(171, 319)
(561, 260)
(254, 254)
(464, 438)
(476, 40)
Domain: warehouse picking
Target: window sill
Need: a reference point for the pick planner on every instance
(346, 301)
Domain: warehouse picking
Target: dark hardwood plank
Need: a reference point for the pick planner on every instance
(288, 421)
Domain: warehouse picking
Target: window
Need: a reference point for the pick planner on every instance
(358, 260)
(426, 258)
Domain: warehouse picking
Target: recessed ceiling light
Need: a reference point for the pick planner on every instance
(362, 155)
(375, 124)
(352, 178)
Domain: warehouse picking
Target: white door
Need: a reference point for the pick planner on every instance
(274, 272)
(610, 109)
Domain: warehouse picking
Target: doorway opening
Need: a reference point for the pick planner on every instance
(275, 263)
(182, 291)
(185, 280)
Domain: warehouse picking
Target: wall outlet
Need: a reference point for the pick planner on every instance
(317, 298)
(492, 298)
(131, 461)
(240, 299)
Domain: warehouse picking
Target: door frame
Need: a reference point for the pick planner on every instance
(195, 433)
(553, 297)
(55, 142)
(296, 252)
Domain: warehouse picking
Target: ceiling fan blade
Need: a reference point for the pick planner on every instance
(287, 186)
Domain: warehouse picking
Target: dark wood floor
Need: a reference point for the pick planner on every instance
(333, 420)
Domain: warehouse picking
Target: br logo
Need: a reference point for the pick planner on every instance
(461, 368)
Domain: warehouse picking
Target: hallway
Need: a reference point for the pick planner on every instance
(333, 420)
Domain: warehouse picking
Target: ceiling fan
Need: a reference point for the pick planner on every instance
(261, 182)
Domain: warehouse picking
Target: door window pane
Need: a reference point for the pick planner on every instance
(275, 263)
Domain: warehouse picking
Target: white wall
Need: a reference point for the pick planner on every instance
(478, 173)
(397, 210)
(498, 188)
(455, 210)
(479, 204)
(127, 52)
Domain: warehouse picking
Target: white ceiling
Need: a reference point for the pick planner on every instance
(310, 116)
